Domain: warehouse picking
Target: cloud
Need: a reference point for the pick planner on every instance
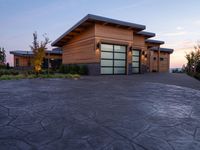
(179, 28)
(197, 22)
(182, 45)
(179, 33)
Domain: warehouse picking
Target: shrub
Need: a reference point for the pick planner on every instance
(83, 70)
(11, 77)
(197, 76)
(9, 72)
(74, 69)
(64, 69)
(2, 67)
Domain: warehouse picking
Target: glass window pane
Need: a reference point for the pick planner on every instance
(135, 70)
(106, 47)
(119, 56)
(119, 70)
(135, 64)
(118, 48)
(119, 63)
(107, 70)
(135, 53)
(106, 62)
(107, 55)
(135, 58)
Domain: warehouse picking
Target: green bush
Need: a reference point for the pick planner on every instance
(42, 76)
(8, 72)
(11, 77)
(83, 70)
(197, 76)
(74, 69)
(2, 67)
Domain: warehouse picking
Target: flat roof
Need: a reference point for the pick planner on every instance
(154, 41)
(89, 19)
(146, 34)
(169, 50)
(30, 53)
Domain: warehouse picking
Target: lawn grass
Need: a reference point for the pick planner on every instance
(40, 76)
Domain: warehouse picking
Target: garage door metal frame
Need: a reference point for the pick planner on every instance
(113, 59)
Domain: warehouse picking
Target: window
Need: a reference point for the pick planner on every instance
(29, 63)
(161, 59)
(154, 58)
(17, 62)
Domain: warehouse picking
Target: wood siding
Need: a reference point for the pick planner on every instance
(164, 64)
(81, 48)
(22, 61)
(25, 60)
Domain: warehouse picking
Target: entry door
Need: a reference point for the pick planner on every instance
(135, 61)
(113, 59)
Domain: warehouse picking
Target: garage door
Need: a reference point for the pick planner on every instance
(113, 59)
(135, 61)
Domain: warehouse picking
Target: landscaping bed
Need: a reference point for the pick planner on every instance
(33, 76)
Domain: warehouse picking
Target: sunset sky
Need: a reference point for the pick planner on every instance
(177, 22)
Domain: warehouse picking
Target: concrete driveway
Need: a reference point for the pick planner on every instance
(140, 112)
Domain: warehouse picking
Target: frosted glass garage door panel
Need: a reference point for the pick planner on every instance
(119, 63)
(119, 48)
(106, 55)
(135, 58)
(119, 70)
(135, 53)
(106, 62)
(135, 64)
(106, 47)
(119, 56)
(106, 70)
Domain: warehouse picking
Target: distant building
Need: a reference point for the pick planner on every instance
(23, 59)
(109, 46)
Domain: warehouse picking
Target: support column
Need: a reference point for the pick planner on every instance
(158, 59)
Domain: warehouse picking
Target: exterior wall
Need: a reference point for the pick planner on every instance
(81, 49)
(115, 35)
(154, 61)
(25, 60)
(139, 43)
(164, 64)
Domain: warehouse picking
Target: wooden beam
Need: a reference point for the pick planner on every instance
(105, 23)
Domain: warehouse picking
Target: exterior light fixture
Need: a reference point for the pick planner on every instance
(143, 52)
(130, 48)
(98, 45)
(145, 55)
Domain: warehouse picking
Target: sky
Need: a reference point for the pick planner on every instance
(177, 22)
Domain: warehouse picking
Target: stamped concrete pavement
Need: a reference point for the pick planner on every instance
(141, 112)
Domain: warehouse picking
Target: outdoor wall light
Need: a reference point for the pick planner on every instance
(98, 45)
(145, 55)
(130, 48)
(143, 52)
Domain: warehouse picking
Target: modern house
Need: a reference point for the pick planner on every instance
(23, 59)
(109, 46)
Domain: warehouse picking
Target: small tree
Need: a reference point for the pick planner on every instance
(38, 49)
(2, 56)
(193, 59)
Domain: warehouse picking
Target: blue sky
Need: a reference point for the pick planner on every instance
(177, 22)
